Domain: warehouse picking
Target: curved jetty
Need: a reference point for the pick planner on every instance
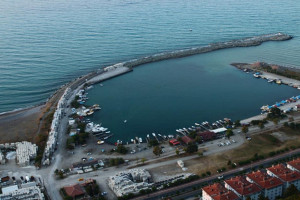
(246, 42)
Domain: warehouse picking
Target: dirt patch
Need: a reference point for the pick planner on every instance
(282, 136)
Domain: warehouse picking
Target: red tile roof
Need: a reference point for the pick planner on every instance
(207, 135)
(284, 173)
(219, 192)
(5, 179)
(242, 186)
(295, 163)
(174, 142)
(264, 180)
(74, 190)
(187, 139)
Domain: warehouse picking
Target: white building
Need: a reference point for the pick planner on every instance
(2, 158)
(13, 192)
(131, 181)
(272, 186)
(53, 134)
(25, 152)
(286, 175)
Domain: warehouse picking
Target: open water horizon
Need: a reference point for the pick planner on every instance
(45, 44)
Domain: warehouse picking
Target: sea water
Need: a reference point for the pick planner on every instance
(44, 44)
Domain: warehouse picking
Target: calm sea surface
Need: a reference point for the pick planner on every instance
(44, 44)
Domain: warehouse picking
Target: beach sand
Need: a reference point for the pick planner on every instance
(20, 125)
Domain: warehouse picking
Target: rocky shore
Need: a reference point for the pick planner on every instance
(246, 42)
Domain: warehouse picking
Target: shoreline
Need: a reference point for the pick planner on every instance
(112, 71)
(245, 42)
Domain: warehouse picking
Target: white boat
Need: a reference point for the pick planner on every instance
(90, 112)
(101, 85)
(153, 134)
(125, 121)
(177, 130)
(100, 142)
(131, 140)
(270, 80)
(159, 135)
(170, 136)
(107, 132)
(140, 140)
(98, 128)
(197, 124)
(90, 125)
(148, 136)
(105, 138)
(97, 108)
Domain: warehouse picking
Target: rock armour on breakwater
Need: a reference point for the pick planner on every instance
(246, 42)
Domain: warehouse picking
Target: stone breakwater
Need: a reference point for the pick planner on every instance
(246, 42)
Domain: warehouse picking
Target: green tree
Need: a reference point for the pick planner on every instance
(157, 150)
(153, 142)
(245, 129)
(68, 198)
(229, 162)
(275, 120)
(286, 124)
(237, 123)
(60, 174)
(121, 149)
(229, 133)
(261, 125)
(177, 151)
(291, 190)
(191, 148)
(143, 160)
(275, 113)
(261, 197)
